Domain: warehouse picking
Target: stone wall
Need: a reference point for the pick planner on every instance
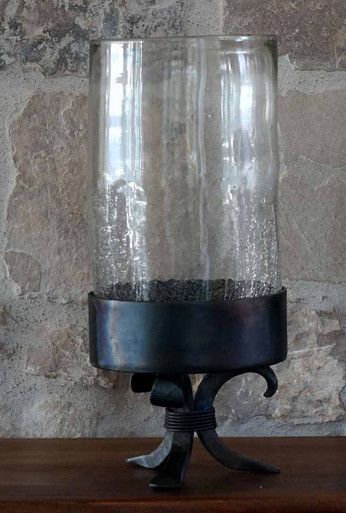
(47, 387)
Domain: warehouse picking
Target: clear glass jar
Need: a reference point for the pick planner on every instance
(184, 168)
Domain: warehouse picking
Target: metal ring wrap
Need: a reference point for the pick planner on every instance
(190, 421)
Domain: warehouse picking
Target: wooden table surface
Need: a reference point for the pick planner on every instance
(90, 476)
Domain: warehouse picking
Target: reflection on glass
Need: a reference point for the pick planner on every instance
(184, 168)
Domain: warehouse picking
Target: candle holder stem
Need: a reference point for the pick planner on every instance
(185, 415)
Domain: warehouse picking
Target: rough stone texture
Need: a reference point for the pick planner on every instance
(340, 47)
(46, 216)
(313, 126)
(47, 387)
(42, 419)
(54, 36)
(306, 394)
(313, 185)
(315, 345)
(311, 32)
(312, 221)
(151, 18)
(24, 270)
(63, 351)
(211, 22)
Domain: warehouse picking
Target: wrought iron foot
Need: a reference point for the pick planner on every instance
(184, 416)
(172, 456)
(157, 457)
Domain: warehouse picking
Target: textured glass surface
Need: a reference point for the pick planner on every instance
(184, 168)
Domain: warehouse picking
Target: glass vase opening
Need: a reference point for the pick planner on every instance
(183, 168)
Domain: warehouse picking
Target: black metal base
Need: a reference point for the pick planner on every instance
(187, 338)
(186, 414)
(162, 343)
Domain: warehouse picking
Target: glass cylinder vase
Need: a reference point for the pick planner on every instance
(184, 168)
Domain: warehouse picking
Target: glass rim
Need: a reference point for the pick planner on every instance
(235, 38)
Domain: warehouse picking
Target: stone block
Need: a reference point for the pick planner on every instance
(312, 221)
(62, 351)
(24, 270)
(46, 215)
(306, 393)
(313, 126)
(54, 36)
(311, 32)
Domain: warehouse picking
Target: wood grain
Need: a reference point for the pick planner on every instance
(91, 476)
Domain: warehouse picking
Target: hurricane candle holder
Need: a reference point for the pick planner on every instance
(183, 222)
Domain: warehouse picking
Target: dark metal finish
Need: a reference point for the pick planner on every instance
(201, 420)
(171, 458)
(162, 343)
(204, 399)
(155, 458)
(188, 338)
(169, 391)
(142, 382)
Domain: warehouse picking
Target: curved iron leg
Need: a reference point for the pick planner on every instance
(144, 383)
(172, 456)
(172, 471)
(205, 395)
(155, 458)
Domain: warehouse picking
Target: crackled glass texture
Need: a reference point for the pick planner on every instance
(184, 168)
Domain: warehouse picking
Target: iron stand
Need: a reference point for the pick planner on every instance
(186, 414)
